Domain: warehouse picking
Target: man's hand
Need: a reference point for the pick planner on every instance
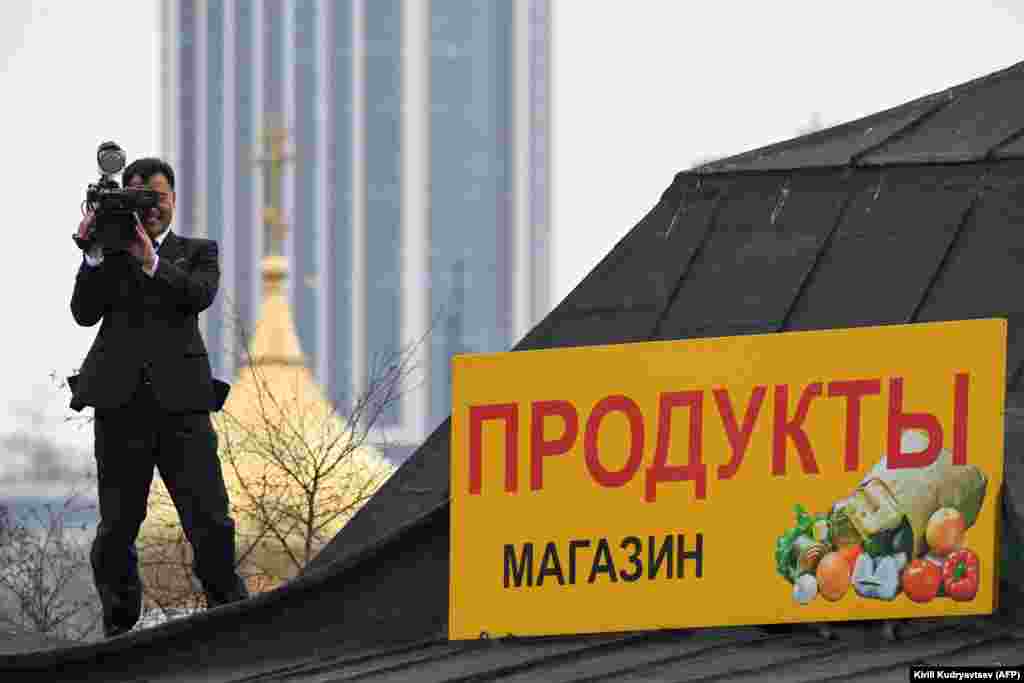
(90, 248)
(142, 248)
(87, 221)
(81, 236)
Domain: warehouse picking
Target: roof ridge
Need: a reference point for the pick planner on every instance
(931, 104)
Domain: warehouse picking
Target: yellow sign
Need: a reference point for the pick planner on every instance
(805, 476)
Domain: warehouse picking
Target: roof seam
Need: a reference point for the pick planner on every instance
(1005, 142)
(548, 660)
(826, 244)
(708, 230)
(718, 167)
(308, 581)
(825, 653)
(603, 267)
(681, 203)
(319, 664)
(587, 311)
(965, 219)
(857, 644)
(409, 663)
(905, 129)
(1002, 637)
(863, 166)
(971, 642)
(657, 662)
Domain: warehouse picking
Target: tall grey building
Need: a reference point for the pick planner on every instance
(418, 196)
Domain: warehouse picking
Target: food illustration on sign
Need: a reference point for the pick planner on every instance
(902, 530)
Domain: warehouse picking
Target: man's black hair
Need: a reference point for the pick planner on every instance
(147, 168)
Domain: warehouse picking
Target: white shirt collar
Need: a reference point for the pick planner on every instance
(159, 239)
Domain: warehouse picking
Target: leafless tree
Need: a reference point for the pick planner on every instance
(44, 560)
(44, 572)
(297, 470)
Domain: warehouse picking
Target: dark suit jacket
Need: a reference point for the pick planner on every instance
(151, 323)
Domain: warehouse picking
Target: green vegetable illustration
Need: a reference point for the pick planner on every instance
(800, 540)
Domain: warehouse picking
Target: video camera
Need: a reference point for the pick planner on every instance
(116, 208)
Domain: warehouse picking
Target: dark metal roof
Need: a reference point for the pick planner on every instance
(737, 654)
(975, 121)
(864, 224)
(13, 640)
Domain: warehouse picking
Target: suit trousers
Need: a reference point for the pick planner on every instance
(129, 442)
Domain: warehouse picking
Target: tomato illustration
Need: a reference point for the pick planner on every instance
(960, 575)
(921, 580)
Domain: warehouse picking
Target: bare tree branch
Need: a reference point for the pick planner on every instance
(44, 572)
(297, 470)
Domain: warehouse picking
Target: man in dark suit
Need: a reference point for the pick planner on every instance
(148, 377)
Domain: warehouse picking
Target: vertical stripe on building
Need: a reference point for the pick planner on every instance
(540, 158)
(415, 173)
(470, 92)
(258, 123)
(211, 176)
(339, 200)
(185, 172)
(228, 293)
(169, 111)
(305, 230)
(418, 198)
(502, 147)
(382, 162)
(322, 260)
(358, 193)
(522, 275)
(273, 82)
(288, 44)
(246, 216)
(201, 185)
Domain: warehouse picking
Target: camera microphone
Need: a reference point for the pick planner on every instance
(111, 158)
(117, 210)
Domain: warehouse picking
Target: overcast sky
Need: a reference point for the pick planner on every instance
(641, 90)
(72, 74)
